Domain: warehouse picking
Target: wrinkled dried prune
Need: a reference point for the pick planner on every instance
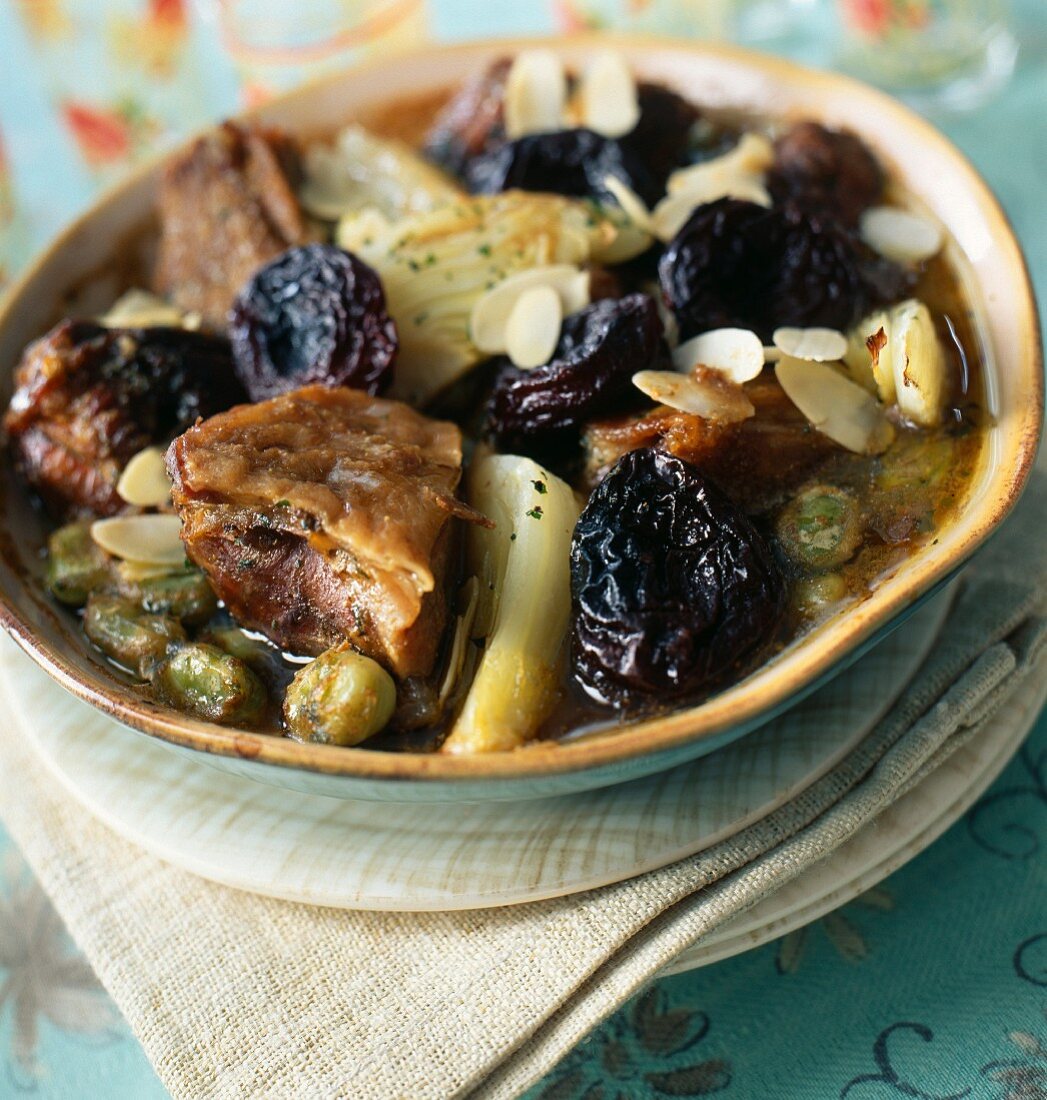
(825, 173)
(735, 263)
(671, 584)
(662, 136)
(567, 162)
(87, 398)
(315, 314)
(590, 374)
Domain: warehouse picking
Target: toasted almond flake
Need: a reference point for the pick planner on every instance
(607, 96)
(704, 393)
(669, 215)
(143, 309)
(918, 363)
(900, 235)
(535, 94)
(151, 539)
(533, 328)
(145, 481)
(736, 353)
(490, 314)
(821, 345)
(834, 405)
(751, 157)
(630, 202)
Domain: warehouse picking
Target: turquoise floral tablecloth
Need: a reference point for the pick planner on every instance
(932, 985)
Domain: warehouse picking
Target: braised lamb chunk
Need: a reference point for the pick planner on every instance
(227, 206)
(472, 120)
(324, 515)
(757, 461)
(87, 398)
(823, 172)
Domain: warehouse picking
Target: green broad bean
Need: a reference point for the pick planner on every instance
(185, 594)
(814, 594)
(236, 643)
(76, 566)
(209, 683)
(341, 698)
(134, 638)
(820, 528)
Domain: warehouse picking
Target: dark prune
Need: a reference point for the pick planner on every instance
(590, 374)
(87, 398)
(671, 584)
(660, 140)
(735, 263)
(567, 162)
(825, 173)
(315, 314)
(472, 120)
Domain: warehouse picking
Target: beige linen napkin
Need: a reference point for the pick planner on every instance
(235, 995)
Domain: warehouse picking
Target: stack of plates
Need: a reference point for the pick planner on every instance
(424, 856)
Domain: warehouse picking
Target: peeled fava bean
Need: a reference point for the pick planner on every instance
(75, 564)
(185, 595)
(208, 682)
(341, 698)
(134, 638)
(670, 582)
(820, 528)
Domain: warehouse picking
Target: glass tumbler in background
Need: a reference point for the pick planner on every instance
(954, 54)
(276, 44)
(759, 22)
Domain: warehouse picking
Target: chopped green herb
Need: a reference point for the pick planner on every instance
(540, 487)
(535, 512)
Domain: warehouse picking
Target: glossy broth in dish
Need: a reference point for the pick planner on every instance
(525, 640)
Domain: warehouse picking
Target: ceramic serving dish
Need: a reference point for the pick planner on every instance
(110, 237)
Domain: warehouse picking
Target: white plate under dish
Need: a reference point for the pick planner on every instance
(901, 832)
(359, 855)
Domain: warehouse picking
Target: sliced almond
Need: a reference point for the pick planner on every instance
(899, 235)
(632, 205)
(834, 405)
(145, 482)
(668, 217)
(607, 96)
(533, 328)
(736, 353)
(143, 309)
(918, 363)
(704, 393)
(752, 156)
(535, 94)
(151, 539)
(490, 313)
(820, 345)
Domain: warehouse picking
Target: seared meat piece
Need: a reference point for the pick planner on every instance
(472, 120)
(827, 173)
(227, 206)
(87, 398)
(323, 515)
(757, 462)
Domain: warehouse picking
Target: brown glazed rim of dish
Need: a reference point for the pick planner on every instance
(774, 683)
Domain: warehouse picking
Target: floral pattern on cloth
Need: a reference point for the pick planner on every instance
(932, 985)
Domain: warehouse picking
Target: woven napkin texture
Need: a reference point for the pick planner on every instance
(234, 995)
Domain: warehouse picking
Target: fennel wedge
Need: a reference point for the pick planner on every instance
(524, 608)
